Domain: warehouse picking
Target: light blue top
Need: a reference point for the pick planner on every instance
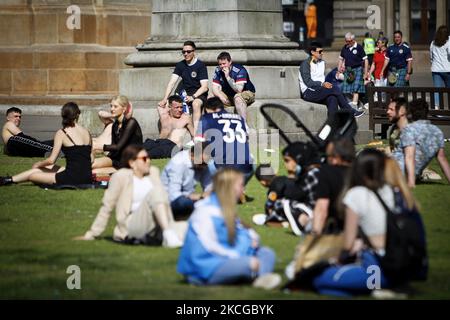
(426, 138)
(206, 245)
(179, 176)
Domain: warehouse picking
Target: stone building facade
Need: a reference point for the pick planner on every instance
(44, 58)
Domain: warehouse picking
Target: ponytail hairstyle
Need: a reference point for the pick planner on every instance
(69, 113)
(223, 186)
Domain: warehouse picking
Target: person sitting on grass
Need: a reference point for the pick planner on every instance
(142, 206)
(18, 144)
(124, 132)
(180, 176)
(301, 159)
(364, 214)
(76, 144)
(218, 249)
(277, 187)
(107, 118)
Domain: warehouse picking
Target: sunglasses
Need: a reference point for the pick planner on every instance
(187, 51)
(144, 158)
(320, 51)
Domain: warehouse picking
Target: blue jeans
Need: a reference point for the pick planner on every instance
(347, 280)
(440, 80)
(332, 98)
(238, 270)
(182, 206)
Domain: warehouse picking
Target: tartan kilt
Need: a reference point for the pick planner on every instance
(357, 85)
(401, 78)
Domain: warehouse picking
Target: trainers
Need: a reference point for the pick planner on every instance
(171, 240)
(292, 218)
(4, 181)
(289, 271)
(358, 113)
(268, 281)
(383, 294)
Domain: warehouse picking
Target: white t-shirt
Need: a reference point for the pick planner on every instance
(372, 216)
(440, 57)
(141, 187)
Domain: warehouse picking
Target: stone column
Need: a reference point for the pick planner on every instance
(389, 31)
(441, 13)
(250, 30)
(405, 19)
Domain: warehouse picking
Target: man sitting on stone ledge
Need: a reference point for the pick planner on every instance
(232, 85)
(174, 124)
(314, 88)
(194, 77)
(16, 143)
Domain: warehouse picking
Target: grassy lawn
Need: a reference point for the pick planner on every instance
(36, 248)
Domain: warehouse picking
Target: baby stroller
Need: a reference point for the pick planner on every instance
(341, 124)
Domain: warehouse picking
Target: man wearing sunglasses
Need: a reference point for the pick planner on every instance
(16, 143)
(194, 78)
(314, 88)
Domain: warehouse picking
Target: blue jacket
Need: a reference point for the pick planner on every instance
(206, 245)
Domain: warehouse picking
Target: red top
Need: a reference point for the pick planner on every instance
(378, 59)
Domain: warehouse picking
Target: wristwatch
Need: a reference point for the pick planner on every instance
(194, 97)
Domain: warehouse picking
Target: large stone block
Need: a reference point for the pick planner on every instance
(144, 84)
(135, 29)
(114, 30)
(30, 81)
(88, 29)
(16, 60)
(5, 81)
(45, 28)
(101, 60)
(67, 81)
(271, 82)
(62, 60)
(96, 81)
(16, 29)
(65, 35)
(232, 19)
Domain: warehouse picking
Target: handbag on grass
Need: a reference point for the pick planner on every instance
(318, 248)
(313, 257)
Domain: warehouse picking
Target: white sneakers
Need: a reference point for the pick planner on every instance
(268, 281)
(171, 240)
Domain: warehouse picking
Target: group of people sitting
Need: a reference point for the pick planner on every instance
(217, 247)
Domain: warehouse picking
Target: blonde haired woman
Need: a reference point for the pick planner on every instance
(218, 249)
(394, 177)
(125, 131)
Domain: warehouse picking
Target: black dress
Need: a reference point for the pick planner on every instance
(78, 165)
(130, 133)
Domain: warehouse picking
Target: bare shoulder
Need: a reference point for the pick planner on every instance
(186, 117)
(10, 126)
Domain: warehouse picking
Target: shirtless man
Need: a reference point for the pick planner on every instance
(16, 142)
(174, 124)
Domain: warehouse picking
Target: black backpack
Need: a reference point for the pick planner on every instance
(405, 255)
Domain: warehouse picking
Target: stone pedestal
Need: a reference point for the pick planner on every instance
(250, 30)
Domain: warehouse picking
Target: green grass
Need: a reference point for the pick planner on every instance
(36, 227)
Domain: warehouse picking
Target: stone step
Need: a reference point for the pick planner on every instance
(351, 5)
(42, 121)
